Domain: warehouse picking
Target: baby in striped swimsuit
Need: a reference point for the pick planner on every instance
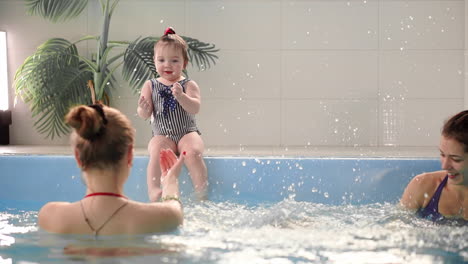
(172, 101)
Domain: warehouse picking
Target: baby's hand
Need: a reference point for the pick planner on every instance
(176, 90)
(144, 104)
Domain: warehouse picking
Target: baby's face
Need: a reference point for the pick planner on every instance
(169, 62)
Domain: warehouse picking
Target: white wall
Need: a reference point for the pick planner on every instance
(466, 54)
(290, 73)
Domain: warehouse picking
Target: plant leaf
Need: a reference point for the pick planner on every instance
(138, 62)
(56, 10)
(51, 80)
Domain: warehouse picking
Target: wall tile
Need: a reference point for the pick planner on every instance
(330, 74)
(421, 74)
(241, 74)
(236, 24)
(415, 122)
(225, 122)
(329, 25)
(329, 123)
(148, 18)
(421, 25)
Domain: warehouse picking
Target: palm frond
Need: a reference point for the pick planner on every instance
(138, 62)
(200, 53)
(51, 80)
(56, 10)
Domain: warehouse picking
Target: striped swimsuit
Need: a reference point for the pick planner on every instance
(169, 118)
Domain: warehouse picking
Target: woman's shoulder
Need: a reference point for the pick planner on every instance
(54, 207)
(427, 182)
(52, 215)
(430, 178)
(420, 189)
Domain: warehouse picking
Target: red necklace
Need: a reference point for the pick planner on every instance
(105, 194)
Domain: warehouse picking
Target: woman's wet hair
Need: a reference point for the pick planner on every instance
(101, 135)
(457, 128)
(171, 38)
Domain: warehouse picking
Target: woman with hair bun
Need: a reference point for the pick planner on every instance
(102, 141)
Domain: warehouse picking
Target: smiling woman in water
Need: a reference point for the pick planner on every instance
(443, 195)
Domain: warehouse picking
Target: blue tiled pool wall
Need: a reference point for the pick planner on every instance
(32, 180)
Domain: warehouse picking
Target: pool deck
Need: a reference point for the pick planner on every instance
(259, 151)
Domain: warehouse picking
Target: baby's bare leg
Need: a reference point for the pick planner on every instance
(153, 172)
(193, 145)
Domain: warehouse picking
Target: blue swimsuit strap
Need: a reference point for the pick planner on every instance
(433, 206)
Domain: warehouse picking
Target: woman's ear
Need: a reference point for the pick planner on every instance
(77, 158)
(130, 155)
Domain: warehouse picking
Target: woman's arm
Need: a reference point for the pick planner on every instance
(417, 192)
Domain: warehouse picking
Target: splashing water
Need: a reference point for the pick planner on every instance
(285, 232)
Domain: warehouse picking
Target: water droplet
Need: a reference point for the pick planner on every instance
(326, 195)
(161, 21)
(314, 190)
(254, 170)
(234, 185)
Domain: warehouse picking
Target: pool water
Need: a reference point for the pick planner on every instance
(288, 231)
(260, 210)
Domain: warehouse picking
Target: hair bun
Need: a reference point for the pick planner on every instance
(168, 31)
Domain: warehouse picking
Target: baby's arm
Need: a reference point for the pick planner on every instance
(145, 104)
(190, 100)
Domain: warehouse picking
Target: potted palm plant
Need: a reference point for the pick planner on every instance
(56, 76)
